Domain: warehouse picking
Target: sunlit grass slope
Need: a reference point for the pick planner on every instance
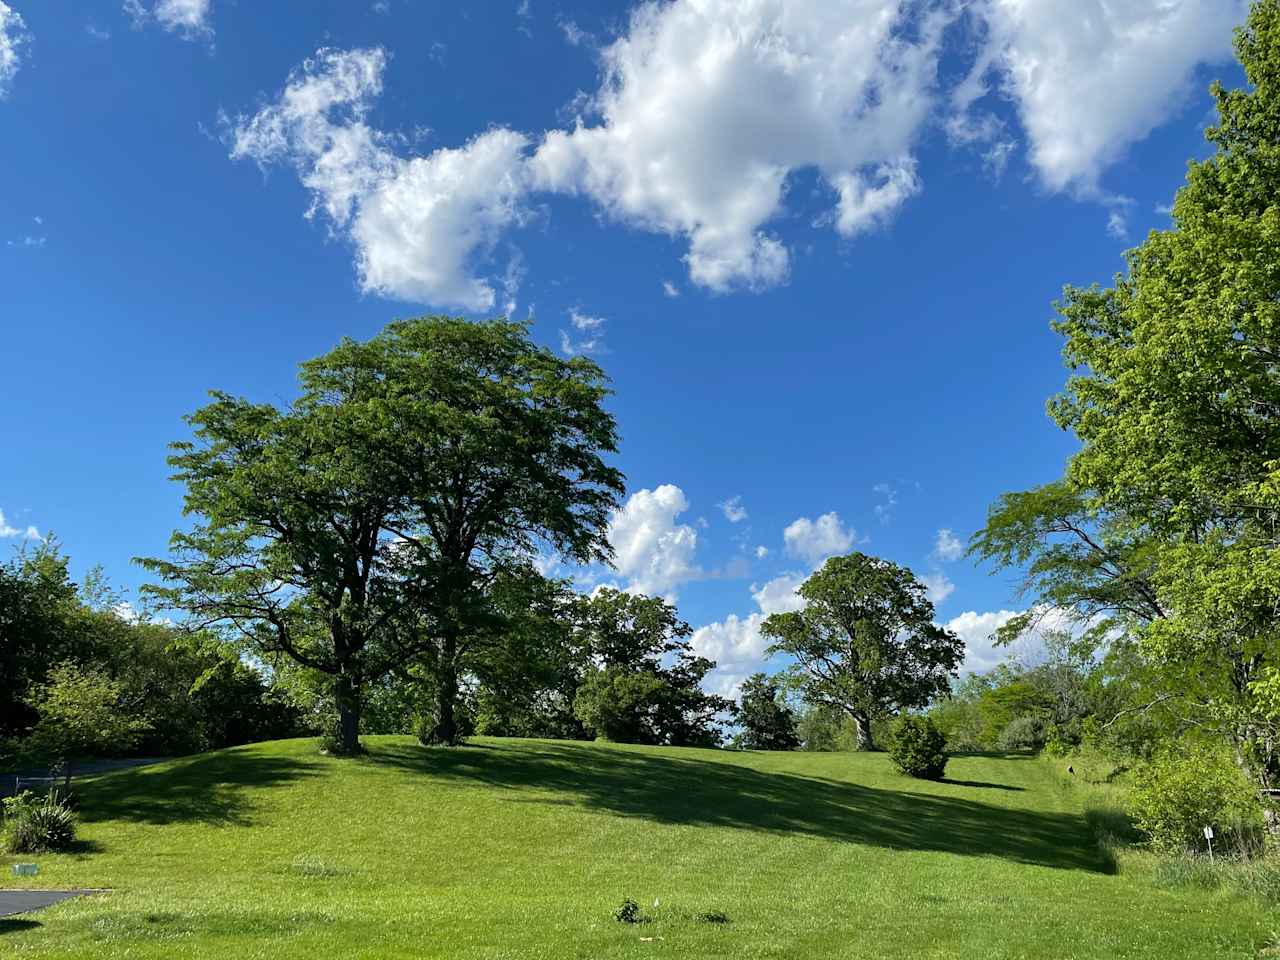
(513, 848)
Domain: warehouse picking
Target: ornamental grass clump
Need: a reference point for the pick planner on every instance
(38, 824)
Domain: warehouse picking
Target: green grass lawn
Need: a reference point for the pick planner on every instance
(514, 848)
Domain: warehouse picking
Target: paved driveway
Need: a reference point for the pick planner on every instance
(24, 901)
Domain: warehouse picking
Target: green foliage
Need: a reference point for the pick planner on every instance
(918, 748)
(1188, 787)
(619, 704)
(82, 714)
(865, 641)
(38, 824)
(648, 685)
(767, 722)
(628, 912)
(1026, 732)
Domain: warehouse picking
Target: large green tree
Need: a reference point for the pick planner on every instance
(865, 642)
(358, 528)
(641, 681)
(1175, 397)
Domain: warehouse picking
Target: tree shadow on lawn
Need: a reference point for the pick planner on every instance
(18, 926)
(706, 793)
(205, 788)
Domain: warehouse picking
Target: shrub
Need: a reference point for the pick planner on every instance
(1179, 792)
(628, 912)
(1027, 732)
(38, 825)
(919, 748)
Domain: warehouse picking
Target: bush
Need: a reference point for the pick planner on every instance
(38, 825)
(1179, 792)
(628, 912)
(919, 748)
(1028, 732)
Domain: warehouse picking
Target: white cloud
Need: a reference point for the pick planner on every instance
(976, 629)
(733, 509)
(779, 594)
(948, 547)
(418, 224)
(938, 587)
(13, 37)
(1092, 77)
(736, 643)
(815, 540)
(1117, 225)
(651, 549)
(188, 18)
(98, 33)
(670, 289)
(761, 552)
(27, 241)
(587, 335)
(573, 34)
(8, 531)
(709, 106)
(888, 500)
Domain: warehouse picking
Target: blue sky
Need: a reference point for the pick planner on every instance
(815, 243)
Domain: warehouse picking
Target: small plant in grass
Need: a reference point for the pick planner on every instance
(712, 916)
(628, 912)
(310, 866)
(919, 748)
(38, 824)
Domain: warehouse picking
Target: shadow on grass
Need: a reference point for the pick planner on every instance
(706, 793)
(982, 785)
(206, 788)
(18, 926)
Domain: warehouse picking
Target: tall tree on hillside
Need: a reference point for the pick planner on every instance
(767, 723)
(642, 682)
(358, 529)
(1175, 397)
(865, 641)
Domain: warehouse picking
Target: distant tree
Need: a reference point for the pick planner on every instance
(767, 722)
(643, 682)
(358, 530)
(865, 641)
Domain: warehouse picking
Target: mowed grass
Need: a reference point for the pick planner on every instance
(522, 848)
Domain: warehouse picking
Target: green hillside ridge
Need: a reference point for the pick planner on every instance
(522, 848)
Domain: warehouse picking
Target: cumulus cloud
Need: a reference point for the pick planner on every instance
(976, 630)
(418, 225)
(1092, 77)
(651, 549)
(815, 540)
(733, 510)
(13, 38)
(948, 547)
(937, 587)
(736, 643)
(761, 552)
(708, 107)
(8, 531)
(187, 18)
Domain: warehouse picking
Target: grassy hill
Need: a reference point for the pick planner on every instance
(511, 848)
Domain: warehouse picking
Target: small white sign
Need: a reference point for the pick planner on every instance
(1208, 833)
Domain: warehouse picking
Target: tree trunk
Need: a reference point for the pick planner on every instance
(446, 729)
(862, 724)
(346, 696)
